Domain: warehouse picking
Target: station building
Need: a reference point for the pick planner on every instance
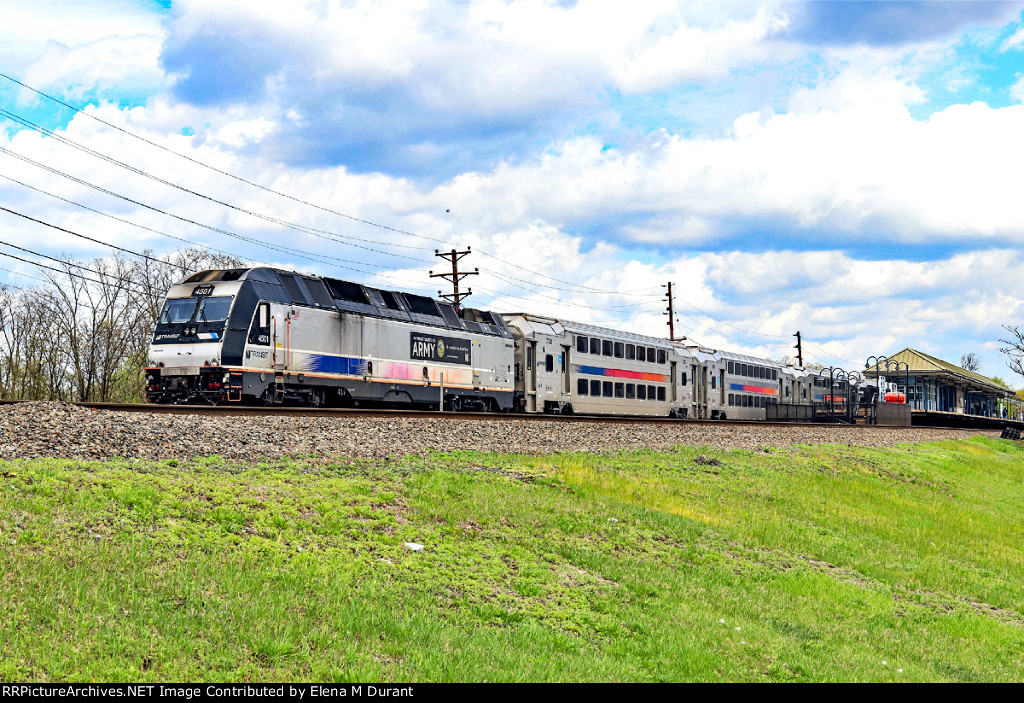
(934, 385)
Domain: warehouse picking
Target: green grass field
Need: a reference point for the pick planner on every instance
(820, 563)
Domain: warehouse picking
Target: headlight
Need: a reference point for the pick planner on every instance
(227, 377)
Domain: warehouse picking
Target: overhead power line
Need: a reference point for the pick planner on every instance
(575, 286)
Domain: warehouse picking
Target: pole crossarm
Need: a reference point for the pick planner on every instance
(455, 276)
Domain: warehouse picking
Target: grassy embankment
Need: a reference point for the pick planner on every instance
(820, 563)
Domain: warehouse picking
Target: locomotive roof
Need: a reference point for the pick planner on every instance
(301, 289)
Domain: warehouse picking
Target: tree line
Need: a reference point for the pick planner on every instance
(82, 331)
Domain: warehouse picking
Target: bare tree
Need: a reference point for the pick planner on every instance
(84, 334)
(1014, 348)
(969, 361)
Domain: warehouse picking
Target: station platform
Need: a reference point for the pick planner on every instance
(936, 418)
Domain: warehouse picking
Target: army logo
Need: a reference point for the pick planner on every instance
(440, 348)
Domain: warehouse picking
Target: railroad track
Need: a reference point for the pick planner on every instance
(285, 411)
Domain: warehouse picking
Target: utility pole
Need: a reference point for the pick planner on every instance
(799, 349)
(671, 315)
(455, 276)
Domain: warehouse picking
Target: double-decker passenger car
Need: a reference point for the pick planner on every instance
(565, 367)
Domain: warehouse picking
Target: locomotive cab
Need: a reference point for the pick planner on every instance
(186, 353)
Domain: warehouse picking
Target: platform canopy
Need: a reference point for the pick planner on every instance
(937, 385)
(922, 364)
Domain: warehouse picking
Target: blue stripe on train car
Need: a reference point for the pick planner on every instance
(328, 363)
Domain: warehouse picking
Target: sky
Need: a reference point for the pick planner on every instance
(851, 170)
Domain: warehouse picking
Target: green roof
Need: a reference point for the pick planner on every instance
(919, 363)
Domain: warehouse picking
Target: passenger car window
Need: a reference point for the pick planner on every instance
(606, 347)
(583, 386)
(661, 392)
(549, 363)
(651, 357)
(683, 381)
(730, 370)
(631, 390)
(582, 344)
(651, 392)
(595, 388)
(641, 392)
(606, 389)
(595, 345)
(630, 351)
(620, 390)
(618, 350)
(661, 356)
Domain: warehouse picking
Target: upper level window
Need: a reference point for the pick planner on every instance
(619, 350)
(651, 355)
(630, 351)
(661, 356)
(595, 345)
(606, 348)
(582, 344)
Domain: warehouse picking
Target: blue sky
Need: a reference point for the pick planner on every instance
(849, 169)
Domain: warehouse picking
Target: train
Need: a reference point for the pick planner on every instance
(265, 336)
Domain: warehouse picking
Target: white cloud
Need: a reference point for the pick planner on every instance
(77, 46)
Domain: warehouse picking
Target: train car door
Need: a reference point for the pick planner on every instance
(694, 392)
(531, 376)
(279, 337)
(564, 359)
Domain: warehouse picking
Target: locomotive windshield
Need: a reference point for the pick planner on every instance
(178, 310)
(214, 309)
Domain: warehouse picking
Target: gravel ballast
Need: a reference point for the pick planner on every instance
(62, 430)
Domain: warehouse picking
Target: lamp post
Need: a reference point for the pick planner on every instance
(879, 360)
(833, 372)
(851, 378)
(906, 367)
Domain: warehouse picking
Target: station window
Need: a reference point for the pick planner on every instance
(583, 386)
(606, 389)
(661, 392)
(595, 345)
(549, 363)
(651, 355)
(630, 351)
(606, 347)
(631, 391)
(641, 392)
(595, 388)
(619, 350)
(651, 392)
(582, 344)
(661, 356)
(620, 390)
